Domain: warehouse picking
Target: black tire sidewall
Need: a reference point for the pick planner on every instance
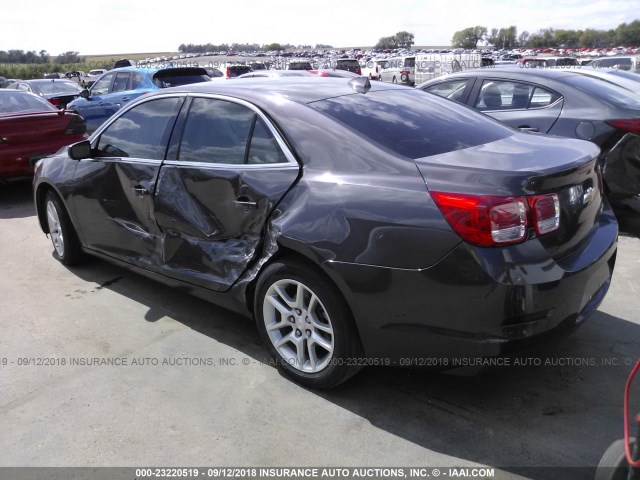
(71, 251)
(346, 350)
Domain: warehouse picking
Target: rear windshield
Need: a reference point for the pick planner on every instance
(412, 123)
(625, 74)
(51, 88)
(236, 70)
(350, 65)
(300, 66)
(16, 102)
(612, 62)
(610, 93)
(175, 78)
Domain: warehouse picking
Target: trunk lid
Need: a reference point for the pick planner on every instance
(37, 127)
(523, 165)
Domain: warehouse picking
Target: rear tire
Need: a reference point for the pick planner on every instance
(66, 246)
(613, 464)
(306, 325)
(394, 80)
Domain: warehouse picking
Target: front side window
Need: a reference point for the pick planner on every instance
(141, 132)
(101, 87)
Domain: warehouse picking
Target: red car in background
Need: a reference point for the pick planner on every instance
(30, 129)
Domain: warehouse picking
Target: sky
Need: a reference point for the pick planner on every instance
(128, 26)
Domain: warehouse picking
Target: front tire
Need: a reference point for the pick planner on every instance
(394, 80)
(66, 246)
(306, 325)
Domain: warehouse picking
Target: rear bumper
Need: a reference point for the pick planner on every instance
(477, 302)
(18, 160)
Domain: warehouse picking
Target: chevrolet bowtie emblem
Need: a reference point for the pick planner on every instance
(588, 196)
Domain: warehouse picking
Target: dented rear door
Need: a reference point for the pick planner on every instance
(230, 167)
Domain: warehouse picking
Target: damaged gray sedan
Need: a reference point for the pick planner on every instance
(359, 224)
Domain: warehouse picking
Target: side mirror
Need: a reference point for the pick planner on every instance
(80, 150)
(84, 93)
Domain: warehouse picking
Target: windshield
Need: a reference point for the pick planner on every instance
(51, 88)
(13, 101)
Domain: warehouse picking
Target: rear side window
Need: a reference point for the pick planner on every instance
(142, 132)
(264, 148)
(217, 131)
(505, 95)
(411, 123)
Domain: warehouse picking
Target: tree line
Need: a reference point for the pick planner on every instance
(507, 37)
(31, 57)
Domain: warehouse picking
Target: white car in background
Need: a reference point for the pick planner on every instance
(92, 76)
(373, 67)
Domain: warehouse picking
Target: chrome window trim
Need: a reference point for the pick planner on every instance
(291, 159)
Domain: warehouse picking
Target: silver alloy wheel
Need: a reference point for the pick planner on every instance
(54, 228)
(298, 325)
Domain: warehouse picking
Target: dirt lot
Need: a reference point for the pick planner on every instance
(193, 390)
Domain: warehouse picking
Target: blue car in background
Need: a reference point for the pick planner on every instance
(121, 85)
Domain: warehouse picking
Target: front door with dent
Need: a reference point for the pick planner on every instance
(114, 190)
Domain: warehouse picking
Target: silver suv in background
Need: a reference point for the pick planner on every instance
(400, 70)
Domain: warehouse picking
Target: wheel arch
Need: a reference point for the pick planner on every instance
(40, 194)
(300, 256)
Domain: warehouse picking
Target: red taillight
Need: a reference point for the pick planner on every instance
(484, 220)
(546, 212)
(76, 126)
(631, 125)
(489, 220)
(358, 71)
(228, 73)
(55, 102)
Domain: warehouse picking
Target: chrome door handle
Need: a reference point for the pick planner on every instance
(244, 202)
